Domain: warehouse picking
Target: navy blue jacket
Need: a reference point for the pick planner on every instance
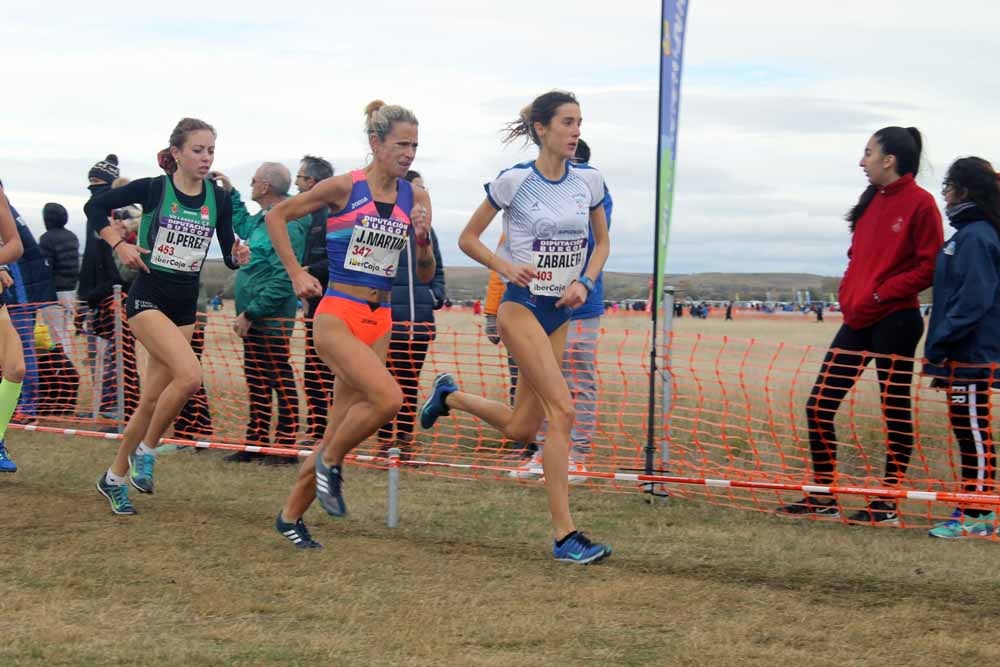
(965, 314)
(594, 305)
(32, 275)
(427, 297)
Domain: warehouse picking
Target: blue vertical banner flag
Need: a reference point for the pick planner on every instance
(672, 25)
(674, 18)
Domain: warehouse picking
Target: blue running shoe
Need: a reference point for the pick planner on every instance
(435, 406)
(140, 471)
(580, 550)
(328, 483)
(6, 464)
(296, 533)
(117, 495)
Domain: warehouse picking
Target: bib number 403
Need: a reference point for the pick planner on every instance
(543, 275)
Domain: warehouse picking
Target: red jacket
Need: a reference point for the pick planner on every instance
(893, 250)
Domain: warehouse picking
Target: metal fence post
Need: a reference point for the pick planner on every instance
(393, 516)
(667, 380)
(119, 360)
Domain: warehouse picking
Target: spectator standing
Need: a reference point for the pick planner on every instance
(98, 276)
(895, 237)
(413, 331)
(962, 347)
(61, 249)
(317, 378)
(266, 306)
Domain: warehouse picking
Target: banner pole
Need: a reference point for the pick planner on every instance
(672, 26)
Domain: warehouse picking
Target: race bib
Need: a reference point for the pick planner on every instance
(557, 262)
(375, 246)
(180, 245)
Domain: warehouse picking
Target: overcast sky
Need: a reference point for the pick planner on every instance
(779, 98)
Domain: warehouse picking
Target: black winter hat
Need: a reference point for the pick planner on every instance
(105, 170)
(54, 215)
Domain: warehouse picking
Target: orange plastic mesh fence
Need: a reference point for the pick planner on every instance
(737, 430)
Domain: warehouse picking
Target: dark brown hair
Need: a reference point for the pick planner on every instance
(540, 111)
(177, 138)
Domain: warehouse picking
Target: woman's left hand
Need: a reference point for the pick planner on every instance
(241, 253)
(6, 280)
(574, 296)
(241, 325)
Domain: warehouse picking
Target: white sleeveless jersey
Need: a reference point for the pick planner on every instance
(547, 223)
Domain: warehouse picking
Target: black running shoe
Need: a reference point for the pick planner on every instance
(279, 460)
(242, 456)
(296, 533)
(811, 506)
(881, 512)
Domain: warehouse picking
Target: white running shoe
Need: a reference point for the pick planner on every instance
(530, 469)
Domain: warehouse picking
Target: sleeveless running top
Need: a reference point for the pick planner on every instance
(547, 223)
(364, 246)
(177, 236)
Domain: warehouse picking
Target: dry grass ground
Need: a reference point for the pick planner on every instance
(201, 578)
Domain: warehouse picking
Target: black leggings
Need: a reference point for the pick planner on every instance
(969, 412)
(267, 369)
(850, 352)
(318, 384)
(406, 360)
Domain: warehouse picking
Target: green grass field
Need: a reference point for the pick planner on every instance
(201, 578)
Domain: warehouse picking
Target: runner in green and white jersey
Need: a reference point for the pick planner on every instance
(182, 211)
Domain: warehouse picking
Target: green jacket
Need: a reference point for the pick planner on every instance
(263, 289)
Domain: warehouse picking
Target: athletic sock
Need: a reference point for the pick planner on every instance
(561, 542)
(113, 479)
(9, 393)
(143, 449)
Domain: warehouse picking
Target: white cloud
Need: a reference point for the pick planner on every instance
(779, 97)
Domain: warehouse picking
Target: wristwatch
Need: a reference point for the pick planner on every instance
(586, 282)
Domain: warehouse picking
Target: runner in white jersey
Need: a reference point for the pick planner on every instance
(549, 205)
